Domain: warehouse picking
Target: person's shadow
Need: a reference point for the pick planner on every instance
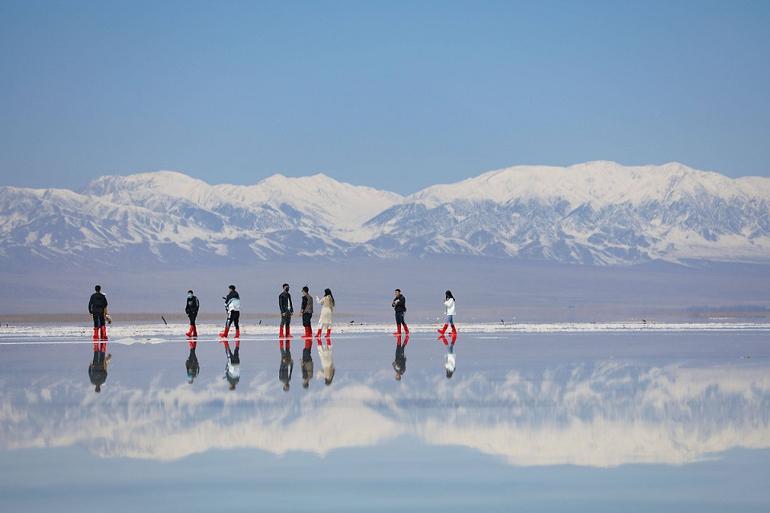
(97, 369)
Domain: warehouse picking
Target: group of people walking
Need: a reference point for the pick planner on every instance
(98, 308)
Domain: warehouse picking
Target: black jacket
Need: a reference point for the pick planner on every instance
(231, 295)
(97, 303)
(284, 303)
(192, 306)
(399, 303)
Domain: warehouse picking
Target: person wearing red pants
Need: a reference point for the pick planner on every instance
(191, 309)
(449, 311)
(97, 307)
(307, 311)
(233, 308)
(287, 309)
(327, 312)
(399, 305)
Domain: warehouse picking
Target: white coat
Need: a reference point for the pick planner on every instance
(327, 309)
(449, 306)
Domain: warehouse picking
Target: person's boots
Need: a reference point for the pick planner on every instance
(195, 331)
(104, 333)
(443, 330)
(398, 330)
(328, 332)
(238, 332)
(454, 330)
(190, 331)
(96, 333)
(280, 332)
(288, 331)
(406, 329)
(318, 334)
(224, 333)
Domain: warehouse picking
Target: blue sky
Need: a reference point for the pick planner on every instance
(396, 95)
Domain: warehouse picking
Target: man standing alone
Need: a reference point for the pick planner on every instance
(191, 309)
(286, 307)
(97, 307)
(399, 305)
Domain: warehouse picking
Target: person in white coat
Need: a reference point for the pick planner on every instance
(449, 310)
(327, 310)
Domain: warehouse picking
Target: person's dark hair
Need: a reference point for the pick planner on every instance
(398, 290)
(305, 289)
(190, 292)
(284, 285)
(231, 287)
(449, 294)
(98, 288)
(328, 292)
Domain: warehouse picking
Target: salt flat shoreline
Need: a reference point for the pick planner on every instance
(208, 330)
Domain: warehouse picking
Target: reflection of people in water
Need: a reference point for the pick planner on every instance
(287, 364)
(192, 362)
(327, 361)
(399, 363)
(97, 369)
(307, 362)
(450, 360)
(233, 367)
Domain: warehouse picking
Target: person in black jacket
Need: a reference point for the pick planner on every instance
(191, 309)
(97, 307)
(399, 305)
(286, 307)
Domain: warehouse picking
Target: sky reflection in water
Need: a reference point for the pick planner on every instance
(517, 409)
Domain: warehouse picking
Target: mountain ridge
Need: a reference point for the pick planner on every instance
(598, 212)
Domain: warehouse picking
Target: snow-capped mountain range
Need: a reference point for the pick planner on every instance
(594, 213)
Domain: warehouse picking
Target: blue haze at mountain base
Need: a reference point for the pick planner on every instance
(596, 422)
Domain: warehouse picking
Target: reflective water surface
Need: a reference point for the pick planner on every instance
(542, 422)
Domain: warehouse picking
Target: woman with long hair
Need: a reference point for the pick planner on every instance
(449, 310)
(327, 309)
